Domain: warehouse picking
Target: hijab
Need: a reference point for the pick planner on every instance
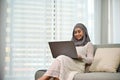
(85, 38)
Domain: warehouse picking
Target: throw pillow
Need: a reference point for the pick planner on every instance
(106, 60)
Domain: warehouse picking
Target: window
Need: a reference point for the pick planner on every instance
(31, 24)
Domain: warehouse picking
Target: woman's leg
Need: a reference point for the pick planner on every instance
(60, 65)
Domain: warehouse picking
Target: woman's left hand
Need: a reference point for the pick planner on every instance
(80, 57)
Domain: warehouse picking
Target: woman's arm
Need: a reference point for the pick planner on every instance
(89, 56)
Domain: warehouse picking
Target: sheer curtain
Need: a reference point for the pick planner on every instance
(114, 18)
(106, 20)
(31, 24)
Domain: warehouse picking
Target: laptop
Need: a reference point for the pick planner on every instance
(63, 48)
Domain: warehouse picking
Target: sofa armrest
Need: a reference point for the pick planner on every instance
(39, 73)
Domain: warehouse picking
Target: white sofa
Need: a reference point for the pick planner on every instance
(93, 75)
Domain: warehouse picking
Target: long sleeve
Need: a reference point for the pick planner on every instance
(86, 52)
(89, 53)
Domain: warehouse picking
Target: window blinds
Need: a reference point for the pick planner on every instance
(31, 24)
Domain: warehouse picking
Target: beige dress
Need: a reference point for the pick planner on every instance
(65, 67)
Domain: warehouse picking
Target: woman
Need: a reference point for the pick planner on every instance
(64, 67)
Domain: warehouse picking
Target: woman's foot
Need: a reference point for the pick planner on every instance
(44, 78)
(56, 78)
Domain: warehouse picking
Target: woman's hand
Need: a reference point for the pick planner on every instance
(80, 57)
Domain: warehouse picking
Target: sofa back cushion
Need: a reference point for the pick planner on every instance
(108, 46)
(106, 59)
(105, 46)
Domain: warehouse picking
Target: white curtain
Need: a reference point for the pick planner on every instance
(114, 21)
(106, 20)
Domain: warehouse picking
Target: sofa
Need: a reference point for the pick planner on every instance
(97, 74)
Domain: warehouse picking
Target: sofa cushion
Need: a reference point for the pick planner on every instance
(97, 76)
(106, 60)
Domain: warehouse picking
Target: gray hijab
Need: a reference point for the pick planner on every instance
(85, 38)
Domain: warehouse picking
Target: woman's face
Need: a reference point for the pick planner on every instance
(78, 33)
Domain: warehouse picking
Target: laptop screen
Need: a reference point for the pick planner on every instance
(63, 48)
